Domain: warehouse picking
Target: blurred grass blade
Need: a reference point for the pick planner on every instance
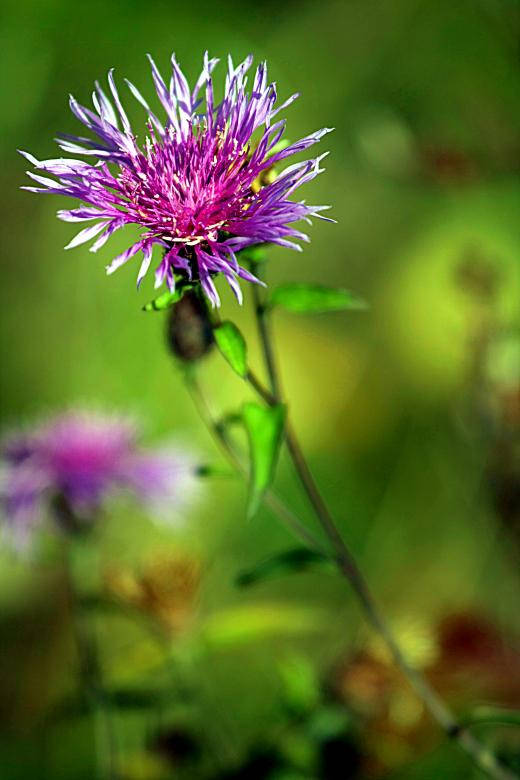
(315, 298)
(295, 560)
(264, 426)
(232, 345)
(167, 299)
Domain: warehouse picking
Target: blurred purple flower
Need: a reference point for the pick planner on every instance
(200, 186)
(75, 461)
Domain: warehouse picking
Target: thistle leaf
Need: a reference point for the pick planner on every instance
(232, 345)
(315, 298)
(264, 426)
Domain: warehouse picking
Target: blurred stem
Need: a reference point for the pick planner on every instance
(90, 674)
(479, 753)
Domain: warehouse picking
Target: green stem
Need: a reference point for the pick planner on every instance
(91, 683)
(480, 754)
(262, 323)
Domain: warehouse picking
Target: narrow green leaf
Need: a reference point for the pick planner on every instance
(167, 299)
(232, 346)
(295, 560)
(492, 716)
(264, 425)
(315, 298)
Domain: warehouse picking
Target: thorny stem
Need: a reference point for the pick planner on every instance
(479, 753)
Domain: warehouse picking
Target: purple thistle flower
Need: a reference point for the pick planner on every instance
(80, 458)
(194, 185)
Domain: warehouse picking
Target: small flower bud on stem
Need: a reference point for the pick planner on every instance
(66, 518)
(189, 331)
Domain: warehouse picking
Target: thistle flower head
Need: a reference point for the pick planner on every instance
(199, 185)
(74, 461)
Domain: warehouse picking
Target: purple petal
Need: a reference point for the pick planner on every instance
(86, 234)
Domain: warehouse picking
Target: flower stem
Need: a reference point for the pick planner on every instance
(91, 682)
(479, 753)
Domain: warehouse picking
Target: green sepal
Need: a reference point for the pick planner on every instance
(167, 299)
(232, 346)
(301, 298)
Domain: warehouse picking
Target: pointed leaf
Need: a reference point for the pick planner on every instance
(232, 346)
(296, 560)
(315, 298)
(264, 426)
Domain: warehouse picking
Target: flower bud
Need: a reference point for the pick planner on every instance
(189, 333)
(66, 517)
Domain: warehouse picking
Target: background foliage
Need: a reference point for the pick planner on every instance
(409, 411)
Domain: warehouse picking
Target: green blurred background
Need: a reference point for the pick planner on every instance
(409, 412)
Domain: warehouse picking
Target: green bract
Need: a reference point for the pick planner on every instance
(167, 299)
